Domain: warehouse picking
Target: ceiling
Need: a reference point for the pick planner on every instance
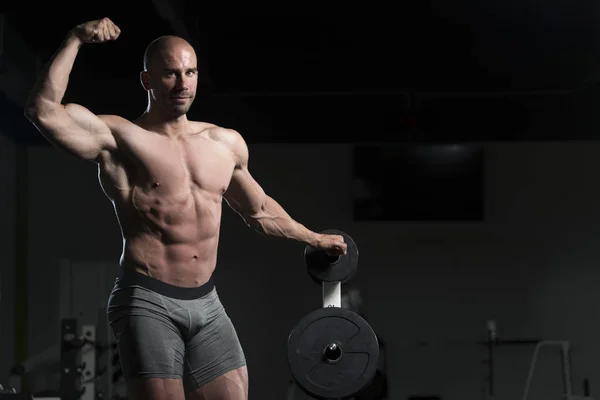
(427, 70)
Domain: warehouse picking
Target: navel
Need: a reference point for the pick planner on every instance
(195, 257)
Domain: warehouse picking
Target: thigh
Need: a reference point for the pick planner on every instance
(148, 342)
(155, 389)
(215, 350)
(232, 385)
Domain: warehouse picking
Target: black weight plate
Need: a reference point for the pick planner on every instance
(324, 268)
(309, 366)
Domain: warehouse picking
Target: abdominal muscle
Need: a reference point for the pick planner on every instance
(171, 238)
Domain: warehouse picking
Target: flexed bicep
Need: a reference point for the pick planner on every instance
(70, 127)
(75, 129)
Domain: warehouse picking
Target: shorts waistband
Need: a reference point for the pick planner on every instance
(129, 276)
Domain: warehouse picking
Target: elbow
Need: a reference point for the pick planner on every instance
(258, 210)
(30, 111)
(247, 209)
(33, 110)
(254, 214)
(254, 217)
(33, 115)
(37, 110)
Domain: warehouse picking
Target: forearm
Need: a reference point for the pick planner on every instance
(51, 86)
(273, 220)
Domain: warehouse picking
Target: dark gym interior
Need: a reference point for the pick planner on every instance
(454, 142)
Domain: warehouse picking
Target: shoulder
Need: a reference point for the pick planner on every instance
(230, 139)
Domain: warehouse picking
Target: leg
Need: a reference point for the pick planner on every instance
(233, 385)
(151, 350)
(155, 389)
(215, 367)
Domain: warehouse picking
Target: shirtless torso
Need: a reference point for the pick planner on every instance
(167, 194)
(166, 177)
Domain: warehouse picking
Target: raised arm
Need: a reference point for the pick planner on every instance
(71, 127)
(263, 213)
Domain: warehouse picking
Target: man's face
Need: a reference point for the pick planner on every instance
(173, 78)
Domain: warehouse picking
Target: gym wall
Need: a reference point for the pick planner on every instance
(7, 253)
(530, 266)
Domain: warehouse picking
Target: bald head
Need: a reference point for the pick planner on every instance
(170, 75)
(163, 48)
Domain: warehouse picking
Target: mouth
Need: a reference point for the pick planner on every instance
(179, 99)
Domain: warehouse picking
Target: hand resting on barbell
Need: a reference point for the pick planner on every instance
(333, 352)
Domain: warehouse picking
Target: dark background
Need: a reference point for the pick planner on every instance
(478, 121)
(426, 70)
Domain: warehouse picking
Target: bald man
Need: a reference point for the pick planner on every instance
(166, 177)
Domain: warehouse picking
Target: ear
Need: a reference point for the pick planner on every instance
(144, 79)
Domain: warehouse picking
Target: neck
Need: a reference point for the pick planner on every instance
(163, 123)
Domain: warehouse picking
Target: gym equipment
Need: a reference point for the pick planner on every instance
(326, 268)
(332, 351)
(69, 370)
(493, 341)
(77, 357)
(565, 351)
(12, 394)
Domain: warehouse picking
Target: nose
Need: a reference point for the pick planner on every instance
(182, 84)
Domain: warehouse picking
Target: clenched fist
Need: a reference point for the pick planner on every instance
(98, 31)
(333, 245)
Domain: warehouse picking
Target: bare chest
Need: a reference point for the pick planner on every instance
(170, 166)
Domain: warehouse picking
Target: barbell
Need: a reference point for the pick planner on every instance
(332, 351)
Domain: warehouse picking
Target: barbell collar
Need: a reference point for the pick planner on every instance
(332, 294)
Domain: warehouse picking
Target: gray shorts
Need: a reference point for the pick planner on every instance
(165, 331)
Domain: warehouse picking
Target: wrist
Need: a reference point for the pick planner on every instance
(73, 38)
(313, 239)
